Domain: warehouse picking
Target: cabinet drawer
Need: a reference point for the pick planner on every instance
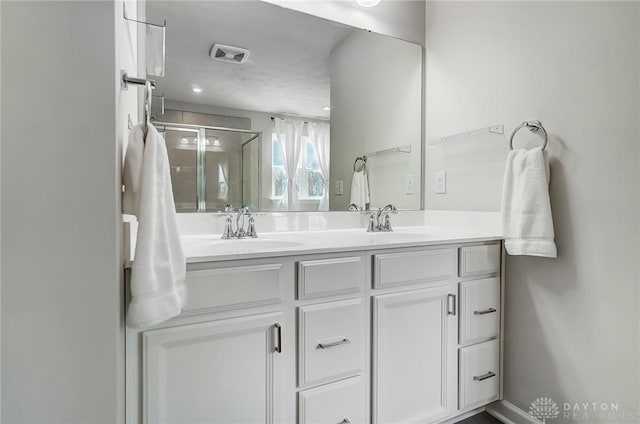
(213, 290)
(340, 403)
(414, 267)
(477, 260)
(331, 340)
(479, 374)
(479, 310)
(330, 276)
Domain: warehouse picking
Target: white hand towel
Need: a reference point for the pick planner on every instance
(360, 189)
(159, 267)
(527, 223)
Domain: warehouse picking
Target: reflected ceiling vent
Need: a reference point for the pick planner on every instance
(230, 54)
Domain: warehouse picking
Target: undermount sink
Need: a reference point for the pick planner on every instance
(195, 245)
(394, 237)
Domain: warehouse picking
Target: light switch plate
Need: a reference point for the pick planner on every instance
(339, 188)
(441, 182)
(410, 185)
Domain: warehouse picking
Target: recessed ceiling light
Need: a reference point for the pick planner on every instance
(326, 108)
(184, 141)
(216, 142)
(197, 89)
(368, 3)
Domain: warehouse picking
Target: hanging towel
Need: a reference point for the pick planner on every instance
(159, 267)
(527, 223)
(360, 189)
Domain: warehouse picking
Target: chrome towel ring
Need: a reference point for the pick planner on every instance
(533, 126)
(364, 163)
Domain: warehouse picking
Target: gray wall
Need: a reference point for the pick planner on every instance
(571, 323)
(61, 299)
(376, 101)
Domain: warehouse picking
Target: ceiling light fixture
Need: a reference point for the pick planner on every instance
(368, 3)
(197, 89)
(327, 108)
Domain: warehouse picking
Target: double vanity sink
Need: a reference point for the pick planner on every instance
(207, 248)
(327, 326)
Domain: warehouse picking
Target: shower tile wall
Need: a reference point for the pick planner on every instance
(182, 158)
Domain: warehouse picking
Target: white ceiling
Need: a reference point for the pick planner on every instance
(288, 68)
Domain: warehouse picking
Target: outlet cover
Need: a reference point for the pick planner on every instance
(339, 188)
(441, 182)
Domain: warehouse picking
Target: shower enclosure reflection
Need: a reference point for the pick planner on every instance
(212, 166)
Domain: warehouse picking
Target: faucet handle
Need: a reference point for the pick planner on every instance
(371, 228)
(386, 226)
(251, 230)
(228, 207)
(228, 229)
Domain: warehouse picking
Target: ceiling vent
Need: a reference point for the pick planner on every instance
(230, 54)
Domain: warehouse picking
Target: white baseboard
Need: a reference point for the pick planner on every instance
(508, 413)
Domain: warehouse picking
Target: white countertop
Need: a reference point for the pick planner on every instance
(286, 234)
(208, 248)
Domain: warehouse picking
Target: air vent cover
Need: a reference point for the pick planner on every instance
(230, 54)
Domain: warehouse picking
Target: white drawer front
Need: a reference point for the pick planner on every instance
(477, 260)
(479, 310)
(238, 287)
(414, 267)
(479, 374)
(331, 340)
(340, 403)
(330, 277)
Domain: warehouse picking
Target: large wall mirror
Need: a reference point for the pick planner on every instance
(284, 111)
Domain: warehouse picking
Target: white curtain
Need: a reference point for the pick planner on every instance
(289, 135)
(320, 134)
(223, 182)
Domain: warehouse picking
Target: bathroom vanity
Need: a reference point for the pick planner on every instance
(326, 327)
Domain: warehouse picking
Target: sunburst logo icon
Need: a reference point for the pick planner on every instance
(544, 408)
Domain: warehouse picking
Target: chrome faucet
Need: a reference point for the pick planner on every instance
(381, 221)
(240, 232)
(353, 207)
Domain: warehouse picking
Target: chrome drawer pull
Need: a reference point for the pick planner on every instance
(484, 312)
(278, 343)
(328, 345)
(451, 304)
(484, 376)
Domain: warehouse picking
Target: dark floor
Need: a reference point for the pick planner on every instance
(482, 418)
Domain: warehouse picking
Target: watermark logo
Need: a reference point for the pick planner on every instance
(544, 408)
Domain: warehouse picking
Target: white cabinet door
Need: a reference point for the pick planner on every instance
(225, 371)
(415, 357)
